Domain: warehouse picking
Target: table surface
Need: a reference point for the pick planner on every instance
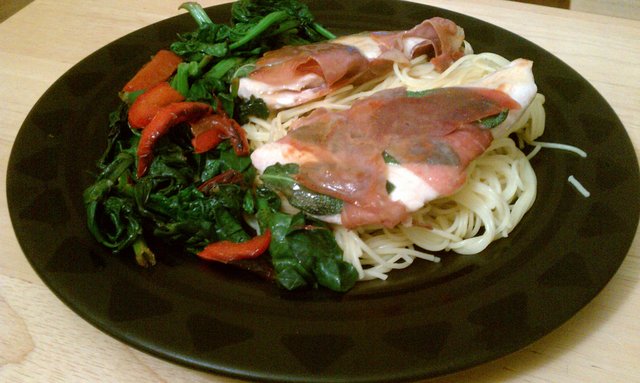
(41, 340)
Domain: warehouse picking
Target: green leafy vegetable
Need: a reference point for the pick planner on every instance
(302, 252)
(298, 16)
(259, 28)
(228, 52)
(174, 200)
(253, 107)
(198, 13)
(166, 199)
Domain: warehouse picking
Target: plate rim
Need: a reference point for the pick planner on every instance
(185, 361)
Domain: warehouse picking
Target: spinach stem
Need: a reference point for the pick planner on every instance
(263, 25)
(144, 255)
(222, 67)
(197, 12)
(287, 25)
(323, 31)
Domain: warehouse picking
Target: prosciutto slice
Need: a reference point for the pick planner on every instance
(294, 75)
(432, 138)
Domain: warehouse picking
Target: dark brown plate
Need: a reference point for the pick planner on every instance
(427, 320)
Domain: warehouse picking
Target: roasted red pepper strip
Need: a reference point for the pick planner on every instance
(227, 177)
(227, 251)
(147, 105)
(212, 129)
(238, 139)
(165, 119)
(209, 131)
(159, 69)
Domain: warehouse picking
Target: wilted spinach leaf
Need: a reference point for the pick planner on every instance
(303, 252)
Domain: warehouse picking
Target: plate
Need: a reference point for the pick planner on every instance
(425, 321)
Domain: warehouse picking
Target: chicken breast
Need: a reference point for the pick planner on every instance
(415, 183)
(294, 75)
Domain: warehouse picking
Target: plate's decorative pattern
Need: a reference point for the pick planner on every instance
(424, 321)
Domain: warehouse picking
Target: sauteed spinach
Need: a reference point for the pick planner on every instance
(195, 198)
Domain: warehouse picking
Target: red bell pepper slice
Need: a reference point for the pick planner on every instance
(158, 69)
(227, 251)
(167, 117)
(147, 105)
(238, 137)
(209, 131)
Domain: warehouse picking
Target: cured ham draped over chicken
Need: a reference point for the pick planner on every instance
(297, 74)
(430, 138)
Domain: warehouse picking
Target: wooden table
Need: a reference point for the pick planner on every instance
(41, 340)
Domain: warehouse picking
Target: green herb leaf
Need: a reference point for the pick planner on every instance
(280, 178)
(493, 121)
(420, 93)
(388, 158)
(390, 187)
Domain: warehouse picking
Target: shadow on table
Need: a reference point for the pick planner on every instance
(8, 8)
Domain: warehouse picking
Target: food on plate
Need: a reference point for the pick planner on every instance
(419, 145)
(293, 75)
(313, 160)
